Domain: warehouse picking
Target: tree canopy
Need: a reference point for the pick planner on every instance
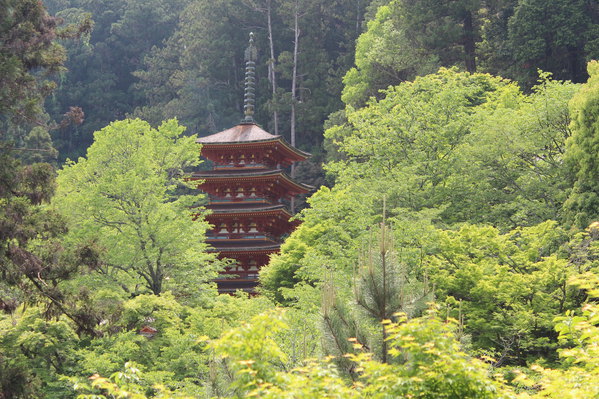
(451, 249)
(122, 198)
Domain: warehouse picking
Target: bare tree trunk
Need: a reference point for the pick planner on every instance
(296, 34)
(271, 67)
(469, 43)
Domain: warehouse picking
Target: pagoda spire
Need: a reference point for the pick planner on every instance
(251, 54)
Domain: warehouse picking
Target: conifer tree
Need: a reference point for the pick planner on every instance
(382, 287)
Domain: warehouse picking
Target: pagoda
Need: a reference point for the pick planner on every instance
(246, 188)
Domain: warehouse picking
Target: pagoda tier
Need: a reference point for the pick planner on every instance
(249, 185)
(247, 145)
(256, 222)
(243, 275)
(246, 187)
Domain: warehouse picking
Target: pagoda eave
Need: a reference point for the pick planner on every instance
(232, 251)
(268, 177)
(279, 212)
(249, 135)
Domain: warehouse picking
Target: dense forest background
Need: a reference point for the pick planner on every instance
(450, 251)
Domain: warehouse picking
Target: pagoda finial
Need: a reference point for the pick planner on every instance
(251, 54)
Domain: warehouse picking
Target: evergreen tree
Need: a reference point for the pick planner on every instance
(382, 287)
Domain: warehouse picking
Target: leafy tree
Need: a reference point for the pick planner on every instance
(583, 202)
(429, 364)
(323, 244)
(129, 383)
(510, 169)
(442, 150)
(412, 38)
(509, 287)
(411, 137)
(123, 199)
(34, 353)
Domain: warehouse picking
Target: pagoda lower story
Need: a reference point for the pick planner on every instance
(246, 188)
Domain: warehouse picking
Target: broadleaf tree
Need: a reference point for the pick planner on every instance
(124, 198)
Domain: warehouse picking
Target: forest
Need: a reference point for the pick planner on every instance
(450, 248)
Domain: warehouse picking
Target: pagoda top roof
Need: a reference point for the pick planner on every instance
(244, 132)
(247, 133)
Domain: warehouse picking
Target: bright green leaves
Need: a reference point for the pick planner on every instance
(470, 145)
(417, 126)
(509, 170)
(428, 363)
(122, 198)
(511, 286)
(583, 147)
(252, 352)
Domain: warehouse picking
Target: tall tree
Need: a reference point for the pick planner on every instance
(122, 197)
(33, 260)
(551, 36)
(582, 206)
(28, 53)
(100, 78)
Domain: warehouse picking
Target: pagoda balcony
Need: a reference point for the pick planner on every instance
(241, 166)
(239, 236)
(235, 275)
(235, 200)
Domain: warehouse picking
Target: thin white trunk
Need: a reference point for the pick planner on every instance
(271, 67)
(296, 33)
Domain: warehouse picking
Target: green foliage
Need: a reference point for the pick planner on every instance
(552, 37)
(580, 332)
(406, 39)
(509, 287)
(381, 286)
(431, 365)
(410, 136)
(323, 244)
(100, 66)
(129, 383)
(122, 198)
(581, 207)
(34, 352)
(433, 143)
(252, 352)
(28, 46)
(511, 163)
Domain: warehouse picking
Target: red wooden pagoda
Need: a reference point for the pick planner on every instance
(246, 187)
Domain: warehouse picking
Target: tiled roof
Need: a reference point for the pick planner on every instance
(239, 133)
(249, 133)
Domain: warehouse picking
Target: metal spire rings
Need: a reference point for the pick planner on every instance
(251, 54)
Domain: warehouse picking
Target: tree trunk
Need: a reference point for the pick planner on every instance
(296, 34)
(469, 43)
(271, 67)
